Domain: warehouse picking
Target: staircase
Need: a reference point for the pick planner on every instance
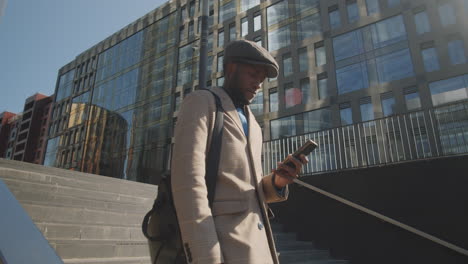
(86, 218)
(292, 251)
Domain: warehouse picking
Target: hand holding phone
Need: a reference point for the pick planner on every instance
(305, 149)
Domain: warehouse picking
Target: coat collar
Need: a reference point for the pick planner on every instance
(229, 107)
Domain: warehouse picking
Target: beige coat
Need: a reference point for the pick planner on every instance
(237, 229)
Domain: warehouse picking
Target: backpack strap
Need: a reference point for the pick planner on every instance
(212, 161)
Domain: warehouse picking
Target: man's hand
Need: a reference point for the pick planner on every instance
(285, 174)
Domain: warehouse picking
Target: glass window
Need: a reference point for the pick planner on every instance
(303, 59)
(247, 4)
(317, 120)
(372, 7)
(456, 52)
(227, 11)
(305, 89)
(422, 22)
(257, 22)
(191, 31)
(412, 101)
(430, 59)
(322, 85)
(232, 32)
(192, 9)
(465, 5)
(320, 56)
(348, 45)
(447, 14)
(388, 31)
(258, 41)
(220, 81)
(292, 96)
(394, 66)
(257, 104)
(210, 42)
(283, 127)
(304, 5)
(309, 26)
(244, 26)
(353, 11)
(277, 12)
(185, 53)
(449, 90)
(220, 63)
(183, 14)
(351, 78)
(346, 116)
(393, 3)
(220, 39)
(335, 20)
(279, 38)
(273, 100)
(388, 106)
(287, 65)
(367, 112)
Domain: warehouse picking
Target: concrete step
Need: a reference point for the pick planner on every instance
(294, 245)
(42, 195)
(25, 187)
(79, 249)
(82, 181)
(80, 231)
(49, 214)
(134, 260)
(291, 256)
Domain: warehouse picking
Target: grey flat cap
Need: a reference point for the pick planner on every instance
(245, 51)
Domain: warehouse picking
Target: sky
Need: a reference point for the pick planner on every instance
(38, 37)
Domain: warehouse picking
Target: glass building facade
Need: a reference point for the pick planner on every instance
(342, 63)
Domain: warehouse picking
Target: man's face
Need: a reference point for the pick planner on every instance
(247, 79)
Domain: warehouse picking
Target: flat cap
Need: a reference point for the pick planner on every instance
(245, 51)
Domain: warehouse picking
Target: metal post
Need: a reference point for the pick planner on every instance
(203, 45)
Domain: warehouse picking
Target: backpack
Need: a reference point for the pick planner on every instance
(160, 225)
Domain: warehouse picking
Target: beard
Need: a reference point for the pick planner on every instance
(231, 85)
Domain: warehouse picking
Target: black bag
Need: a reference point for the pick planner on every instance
(160, 225)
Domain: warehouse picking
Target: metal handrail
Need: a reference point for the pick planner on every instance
(385, 218)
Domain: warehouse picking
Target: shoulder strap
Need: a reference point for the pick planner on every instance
(214, 153)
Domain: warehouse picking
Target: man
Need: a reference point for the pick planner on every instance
(236, 229)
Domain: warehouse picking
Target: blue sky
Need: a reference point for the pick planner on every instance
(37, 37)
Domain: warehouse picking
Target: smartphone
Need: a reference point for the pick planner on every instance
(305, 149)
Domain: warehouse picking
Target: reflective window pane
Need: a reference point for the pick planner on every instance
(283, 127)
(247, 4)
(393, 3)
(244, 26)
(367, 112)
(348, 45)
(335, 20)
(430, 59)
(226, 11)
(322, 85)
(220, 39)
(309, 26)
(305, 89)
(304, 5)
(388, 106)
(303, 60)
(232, 32)
(394, 66)
(447, 14)
(273, 100)
(388, 31)
(257, 22)
(353, 12)
(277, 12)
(352, 77)
(449, 90)
(279, 38)
(292, 95)
(413, 102)
(346, 116)
(422, 22)
(456, 52)
(287, 65)
(320, 56)
(372, 7)
(317, 120)
(257, 104)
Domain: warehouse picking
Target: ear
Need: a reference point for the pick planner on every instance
(230, 69)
